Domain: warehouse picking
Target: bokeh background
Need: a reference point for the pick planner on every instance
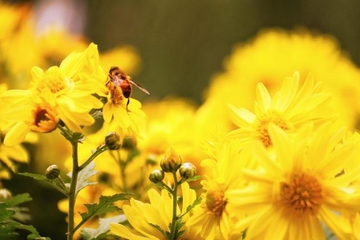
(181, 46)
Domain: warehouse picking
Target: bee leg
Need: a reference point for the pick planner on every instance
(127, 104)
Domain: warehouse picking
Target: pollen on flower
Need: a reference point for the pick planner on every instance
(302, 194)
(215, 201)
(262, 126)
(116, 95)
(54, 83)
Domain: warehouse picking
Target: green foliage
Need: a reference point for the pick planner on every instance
(102, 231)
(53, 182)
(8, 225)
(104, 206)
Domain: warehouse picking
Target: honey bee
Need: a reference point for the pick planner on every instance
(119, 78)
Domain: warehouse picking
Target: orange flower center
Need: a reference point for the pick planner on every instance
(302, 194)
(263, 123)
(44, 120)
(215, 202)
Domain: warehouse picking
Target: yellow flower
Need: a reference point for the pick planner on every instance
(126, 57)
(63, 93)
(271, 56)
(213, 217)
(9, 155)
(298, 186)
(158, 212)
(291, 107)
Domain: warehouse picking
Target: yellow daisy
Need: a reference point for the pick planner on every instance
(121, 115)
(213, 217)
(291, 107)
(298, 188)
(8, 156)
(64, 92)
(142, 216)
(271, 56)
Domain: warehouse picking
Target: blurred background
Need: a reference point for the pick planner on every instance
(179, 47)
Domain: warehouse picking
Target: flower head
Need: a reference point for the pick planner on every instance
(298, 186)
(223, 174)
(60, 93)
(144, 217)
(290, 108)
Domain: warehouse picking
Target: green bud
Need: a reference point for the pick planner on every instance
(187, 170)
(52, 172)
(129, 143)
(5, 194)
(112, 141)
(170, 161)
(151, 160)
(156, 176)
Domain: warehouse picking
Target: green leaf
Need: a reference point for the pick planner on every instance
(18, 199)
(105, 205)
(8, 211)
(84, 175)
(103, 229)
(12, 225)
(43, 178)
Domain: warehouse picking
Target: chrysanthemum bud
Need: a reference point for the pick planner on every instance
(171, 161)
(129, 143)
(112, 141)
(52, 172)
(187, 170)
(156, 176)
(5, 194)
(151, 160)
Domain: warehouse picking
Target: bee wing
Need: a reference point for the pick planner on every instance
(140, 87)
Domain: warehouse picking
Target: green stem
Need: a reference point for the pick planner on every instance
(174, 217)
(72, 193)
(96, 153)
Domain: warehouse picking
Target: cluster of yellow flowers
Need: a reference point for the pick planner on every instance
(274, 140)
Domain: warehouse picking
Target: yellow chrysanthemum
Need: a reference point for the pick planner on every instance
(213, 217)
(9, 155)
(63, 93)
(291, 107)
(143, 217)
(271, 56)
(299, 186)
(125, 57)
(169, 123)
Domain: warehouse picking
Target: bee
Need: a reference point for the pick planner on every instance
(119, 78)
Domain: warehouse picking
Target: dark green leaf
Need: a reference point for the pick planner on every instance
(105, 205)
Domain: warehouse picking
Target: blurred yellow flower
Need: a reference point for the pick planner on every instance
(126, 57)
(298, 187)
(291, 107)
(222, 174)
(170, 123)
(270, 57)
(143, 216)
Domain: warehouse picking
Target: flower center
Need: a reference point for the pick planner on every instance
(263, 123)
(44, 120)
(53, 81)
(116, 95)
(302, 194)
(215, 202)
